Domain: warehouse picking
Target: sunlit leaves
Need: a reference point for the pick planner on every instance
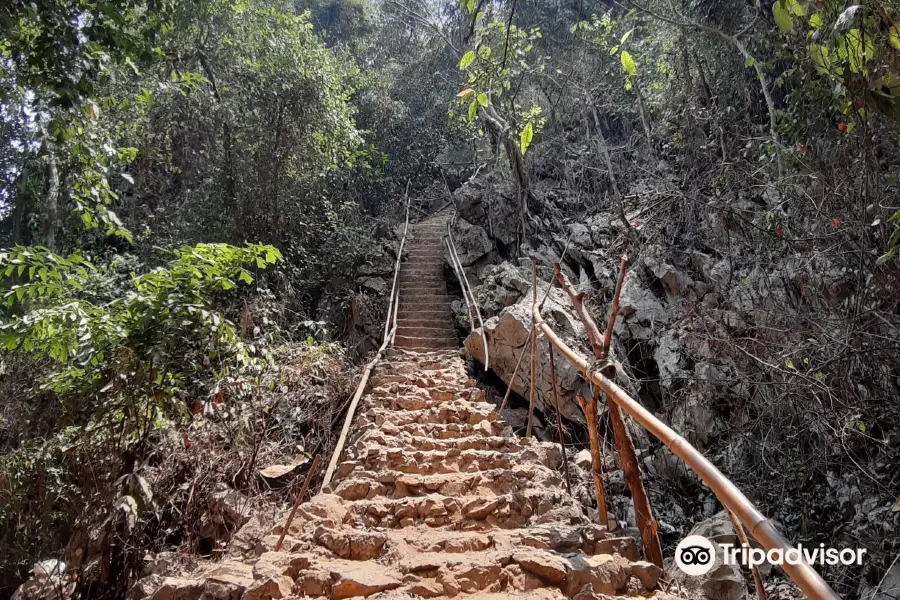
(782, 16)
(628, 63)
(466, 60)
(525, 137)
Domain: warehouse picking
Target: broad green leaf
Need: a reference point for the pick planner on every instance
(613, 50)
(525, 137)
(815, 21)
(483, 99)
(894, 36)
(628, 63)
(782, 16)
(472, 108)
(466, 60)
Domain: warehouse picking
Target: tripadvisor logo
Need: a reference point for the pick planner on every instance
(696, 555)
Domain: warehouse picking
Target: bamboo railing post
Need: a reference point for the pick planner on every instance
(624, 444)
(390, 331)
(515, 372)
(559, 427)
(533, 343)
(298, 501)
(742, 538)
(589, 408)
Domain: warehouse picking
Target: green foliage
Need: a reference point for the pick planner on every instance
(121, 346)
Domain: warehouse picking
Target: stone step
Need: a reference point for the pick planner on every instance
(438, 324)
(439, 431)
(475, 442)
(449, 413)
(431, 462)
(418, 289)
(437, 333)
(466, 513)
(363, 484)
(402, 341)
(434, 312)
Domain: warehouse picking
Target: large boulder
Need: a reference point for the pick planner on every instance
(471, 242)
(723, 582)
(508, 333)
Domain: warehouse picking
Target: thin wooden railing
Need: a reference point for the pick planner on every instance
(390, 331)
(761, 528)
(468, 294)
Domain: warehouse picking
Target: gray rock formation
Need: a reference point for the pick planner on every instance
(508, 334)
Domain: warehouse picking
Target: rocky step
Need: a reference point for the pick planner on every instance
(412, 287)
(412, 396)
(438, 324)
(404, 341)
(429, 462)
(422, 277)
(586, 538)
(436, 333)
(361, 484)
(440, 431)
(479, 420)
(432, 311)
(383, 378)
(475, 442)
(466, 513)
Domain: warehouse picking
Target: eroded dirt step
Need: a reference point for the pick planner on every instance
(404, 341)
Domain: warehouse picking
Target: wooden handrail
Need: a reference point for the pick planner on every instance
(761, 528)
(467, 290)
(390, 331)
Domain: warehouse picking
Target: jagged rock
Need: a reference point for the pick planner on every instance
(547, 566)
(604, 574)
(507, 334)
(175, 588)
(583, 459)
(269, 589)
(646, 572)
(642, 314)
(362, 579)
(471, 242)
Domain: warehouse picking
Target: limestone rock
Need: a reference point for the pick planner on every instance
(547, 566)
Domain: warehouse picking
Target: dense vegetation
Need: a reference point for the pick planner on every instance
(187, 190)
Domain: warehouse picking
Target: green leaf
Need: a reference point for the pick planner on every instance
(525, 137)
(628, 63)
(894, 36)
(466, 60)
(782, 16)
(613, 50)
(483, 99)
(245, 277)
(472, 108)
(815, 21)
(626, 36)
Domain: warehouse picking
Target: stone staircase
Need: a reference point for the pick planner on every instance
(423, 318)
(433, 499)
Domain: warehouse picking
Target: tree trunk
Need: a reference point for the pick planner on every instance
(51, 198)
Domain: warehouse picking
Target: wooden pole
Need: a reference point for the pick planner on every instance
(742, 538)
(559, 427)
(287, 524)
(613, 313)
(622, 439)
(515, 372)
(589, 408)
(533, 343)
